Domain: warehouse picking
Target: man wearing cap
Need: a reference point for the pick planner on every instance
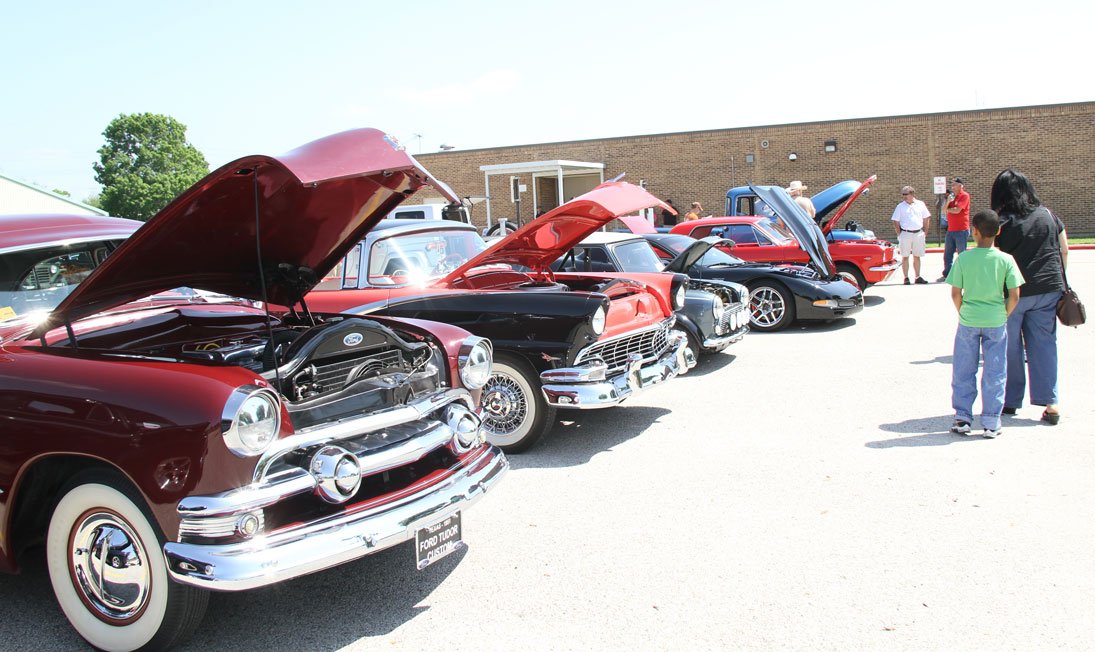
(795, 190)
(910, 219)
(958, 224)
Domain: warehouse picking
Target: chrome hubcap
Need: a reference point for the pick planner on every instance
(109, 567)
(504, 405)
(767, 307)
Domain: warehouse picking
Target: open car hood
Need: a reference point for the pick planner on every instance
(690, 256)
(309, 206)
(543, 240)
(809, 236)
(843, 195)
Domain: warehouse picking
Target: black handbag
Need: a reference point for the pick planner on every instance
(1070, 310)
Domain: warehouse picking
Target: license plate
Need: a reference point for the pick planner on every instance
(435, 541)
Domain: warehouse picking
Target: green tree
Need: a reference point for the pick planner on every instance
(145, 163)
(63, 193)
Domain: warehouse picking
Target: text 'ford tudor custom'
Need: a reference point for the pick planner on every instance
(574, 340)
(163, 438)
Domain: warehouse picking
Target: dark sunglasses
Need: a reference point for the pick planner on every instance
(905, 194)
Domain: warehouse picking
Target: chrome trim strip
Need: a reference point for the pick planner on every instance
(255, 496)
(69, 241)
(297, 480)
(893, 264)
(355, 426)
(343, 537)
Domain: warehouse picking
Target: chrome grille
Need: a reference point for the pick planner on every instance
(333, 375)
(649, 343)
(723, 326)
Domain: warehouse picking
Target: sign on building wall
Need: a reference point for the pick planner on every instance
(940, 184)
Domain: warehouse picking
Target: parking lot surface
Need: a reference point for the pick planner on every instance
(799, 491)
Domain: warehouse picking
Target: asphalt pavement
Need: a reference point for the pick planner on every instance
(799, 491)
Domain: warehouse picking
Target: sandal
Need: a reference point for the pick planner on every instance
(1051, 417)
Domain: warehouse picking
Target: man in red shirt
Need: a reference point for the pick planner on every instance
(958, 224)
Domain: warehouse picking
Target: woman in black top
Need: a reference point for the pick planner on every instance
(1037, 241)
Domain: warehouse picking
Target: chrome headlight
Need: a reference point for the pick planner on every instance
(476, 362)
(250, 420)
(598, 321)
(679, 295)
(717, 307)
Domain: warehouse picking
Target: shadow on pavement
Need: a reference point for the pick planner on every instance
(711, 363)
(935, 431)
(873, 300)
(930, 439)
(581, 434)
(262, 619)
(810, 326)
(333, 604)
(941, 359)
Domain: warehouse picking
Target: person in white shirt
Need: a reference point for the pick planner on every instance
(910, 219)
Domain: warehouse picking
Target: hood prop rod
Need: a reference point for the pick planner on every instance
(71, 334)
(262, 278)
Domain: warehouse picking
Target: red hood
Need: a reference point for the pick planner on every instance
(848, 204)
(542, 241)
(314, 204)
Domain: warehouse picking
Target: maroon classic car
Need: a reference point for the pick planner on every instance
(165, 436)
(579, 340)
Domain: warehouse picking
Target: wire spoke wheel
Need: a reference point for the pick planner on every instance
(515, 412)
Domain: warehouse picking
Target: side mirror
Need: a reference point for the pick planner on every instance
(455, 213)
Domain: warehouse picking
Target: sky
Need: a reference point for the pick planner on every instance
(263, 78)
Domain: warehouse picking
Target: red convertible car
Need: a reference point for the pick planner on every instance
(163, 436)
(580, 340)
(768, 239)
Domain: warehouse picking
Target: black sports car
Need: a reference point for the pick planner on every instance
(779, 294)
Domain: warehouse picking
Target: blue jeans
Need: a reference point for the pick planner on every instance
(1032, 329)
(955, 244)
(969, 345)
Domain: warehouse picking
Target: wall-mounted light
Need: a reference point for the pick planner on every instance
(792, 157)
(830, 146)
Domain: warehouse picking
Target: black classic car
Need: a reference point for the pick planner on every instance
(715, 313)
(576, 340)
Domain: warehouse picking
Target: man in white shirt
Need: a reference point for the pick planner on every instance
(910, 219)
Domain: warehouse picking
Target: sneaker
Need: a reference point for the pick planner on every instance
(907, 282)
(920, 280)
(960, 427)
(941, 279)
(991, 433)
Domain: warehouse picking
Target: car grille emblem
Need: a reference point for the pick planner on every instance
(353, 339)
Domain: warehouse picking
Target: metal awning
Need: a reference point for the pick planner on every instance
(557, 169)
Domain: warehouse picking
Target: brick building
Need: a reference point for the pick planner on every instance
(1054, 145)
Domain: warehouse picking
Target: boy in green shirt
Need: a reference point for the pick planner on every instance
(980, 278)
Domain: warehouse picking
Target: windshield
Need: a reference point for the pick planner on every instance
(418, 257)
(36, 280)
(637, 256)
(714, 255)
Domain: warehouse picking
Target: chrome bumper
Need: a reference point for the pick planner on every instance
(332, 541)
(725, 340)
(890, 266)
(587, 387)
